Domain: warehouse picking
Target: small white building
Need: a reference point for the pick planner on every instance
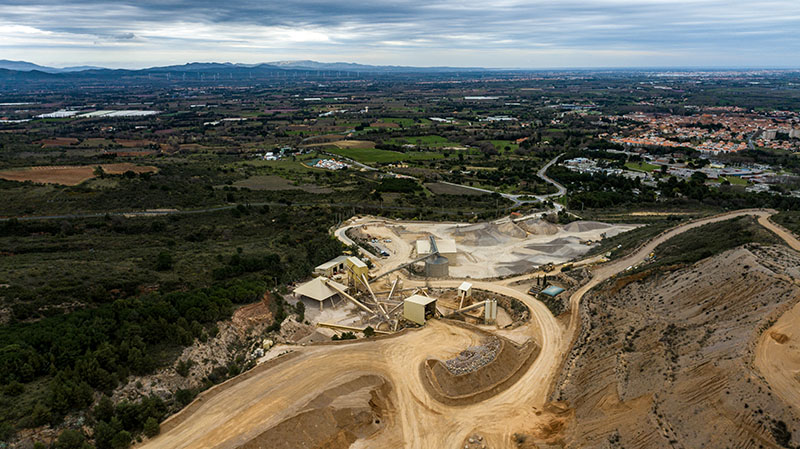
(418, 308)
(465, 290)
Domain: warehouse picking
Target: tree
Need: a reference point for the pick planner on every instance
(104, 410)
(300, 310)
(121, 440)
(164, 261)
(699, 177)
(70, 439)
(369, 331)
(40, 415)
(184, 366)
(151, 427)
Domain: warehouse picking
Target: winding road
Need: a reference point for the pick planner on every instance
(247, 408)
(517, 198)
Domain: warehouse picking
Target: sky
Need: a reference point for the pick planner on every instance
(460, 33)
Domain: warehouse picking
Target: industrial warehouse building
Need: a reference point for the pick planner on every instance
(418, 308)
(331, 267)
(320, 289)
(356, 267)
(347, 265)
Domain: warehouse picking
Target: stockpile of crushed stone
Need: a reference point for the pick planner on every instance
(474, 357)
(583, 226)
(537, 226)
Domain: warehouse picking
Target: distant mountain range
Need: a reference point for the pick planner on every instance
(23, 66)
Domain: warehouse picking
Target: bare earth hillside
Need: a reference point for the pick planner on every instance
(667, 361)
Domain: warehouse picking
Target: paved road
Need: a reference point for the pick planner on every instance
(158, 213)
(517, 198)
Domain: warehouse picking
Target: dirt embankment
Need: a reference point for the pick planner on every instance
(334, 419)
(478, 372)
(667, 360)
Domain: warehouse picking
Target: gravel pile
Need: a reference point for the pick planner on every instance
(474, 357)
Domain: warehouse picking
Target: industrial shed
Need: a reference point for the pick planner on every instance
(349, 266)
(418, 308)
(465, 290)
(356, 266)
(331, 267)
(319, 289)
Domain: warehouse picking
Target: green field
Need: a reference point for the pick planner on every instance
(641, 166)
(502, 144)
(284, 164)
(367, 155)
(431, 141)
(735, 180)
(406, 122)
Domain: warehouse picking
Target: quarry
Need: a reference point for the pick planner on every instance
(487, 250)
(457, 361)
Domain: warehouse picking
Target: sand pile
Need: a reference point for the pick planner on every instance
(584, 226)
(537, 226)
(511, 229)
(487, 234)
(334, 419)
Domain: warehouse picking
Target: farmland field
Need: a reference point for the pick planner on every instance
(373, 155)
(439, 188)
(70, 174)
(357, 144)
(431, 141)
(406, 122)
(641, 166)
(502, 144)
(273, 182)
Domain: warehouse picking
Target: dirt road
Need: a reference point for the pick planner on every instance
(245, 409)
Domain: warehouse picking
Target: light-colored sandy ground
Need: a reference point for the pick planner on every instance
(778, 350)
(241, 410)
(778, 356)
(488, 250)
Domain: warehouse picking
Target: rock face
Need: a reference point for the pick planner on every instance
(666, 361)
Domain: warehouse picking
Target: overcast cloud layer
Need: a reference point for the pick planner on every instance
(488, 33)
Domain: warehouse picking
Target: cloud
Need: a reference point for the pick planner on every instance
(464, 32)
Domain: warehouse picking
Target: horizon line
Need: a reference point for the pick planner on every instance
(532, 69)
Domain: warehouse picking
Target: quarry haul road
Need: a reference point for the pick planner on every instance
(240, 410)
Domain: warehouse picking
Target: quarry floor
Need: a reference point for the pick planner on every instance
(491, 249)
